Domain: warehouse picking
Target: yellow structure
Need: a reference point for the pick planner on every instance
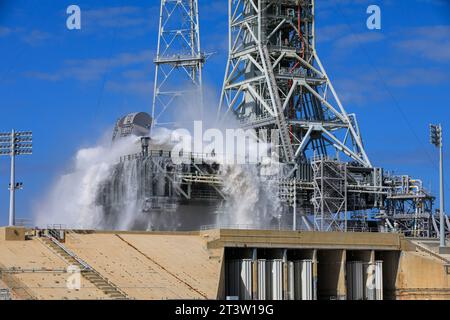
(165, 265)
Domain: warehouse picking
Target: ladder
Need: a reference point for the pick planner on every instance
(87, 271)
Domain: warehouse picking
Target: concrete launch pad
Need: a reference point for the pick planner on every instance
(196, 265)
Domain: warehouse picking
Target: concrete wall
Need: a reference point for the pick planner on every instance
(305, 240)
(390, 272)
(160, 265)
(12, 234)
(331, 275)
(421, 276)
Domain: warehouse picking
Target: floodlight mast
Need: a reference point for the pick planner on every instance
(13, 144)
(436, 135)
(12, 183)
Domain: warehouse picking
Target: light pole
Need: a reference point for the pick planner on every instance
(14, 144)
(436, 140)
(294, 203)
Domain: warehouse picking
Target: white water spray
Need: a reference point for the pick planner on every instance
(72, 199)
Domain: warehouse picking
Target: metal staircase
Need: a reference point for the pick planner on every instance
(87, 271)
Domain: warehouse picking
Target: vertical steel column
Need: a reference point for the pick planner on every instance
(12, 144)
(441, 173)
(12, 183)
(285, 276)
(346, 199)
(255, 274)
(295, 206)
(158, 50)
(315, 273)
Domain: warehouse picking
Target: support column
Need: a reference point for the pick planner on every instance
(285, 276)
(370, 285)
(331, 275)
(255, 274)
(314, 272)
(12, 183)
(341, 291)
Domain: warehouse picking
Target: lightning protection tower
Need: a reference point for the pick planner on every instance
(275, 80)
(179, 60)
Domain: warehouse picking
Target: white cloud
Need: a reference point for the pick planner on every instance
(125, 72)
(93, 69)
(141, 87)
(343, 37)
(4, 31)
(370, 85)
(431, 42)
(136, 81)
(357, 39)
(36, 37)
(115, 17)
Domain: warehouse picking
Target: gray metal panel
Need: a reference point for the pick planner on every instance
(349, 280)
(379, 280)
(307, 280)
(291, 280)
(373, 281)
(369, 281)
(137, 124)
(303, 280)
(262, 276)
(246, 279)
(232, 278)
(276, 279)
(355, 280)
(298, 280)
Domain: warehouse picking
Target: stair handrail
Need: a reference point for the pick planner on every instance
(86, 266)
(423, 248)
(70, 253)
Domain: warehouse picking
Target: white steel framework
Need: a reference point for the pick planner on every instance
(179, 59)
(274, 80)
(15, 144)
(330, 195)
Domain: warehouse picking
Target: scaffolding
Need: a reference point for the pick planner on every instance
(330, 195)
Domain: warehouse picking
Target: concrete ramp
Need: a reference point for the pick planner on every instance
(152, 266)
(30, 270)
(200, 265)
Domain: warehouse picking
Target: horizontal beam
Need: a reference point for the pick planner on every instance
(20, 133)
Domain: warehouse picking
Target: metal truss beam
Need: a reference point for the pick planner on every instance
(179, 60)
(275, 80)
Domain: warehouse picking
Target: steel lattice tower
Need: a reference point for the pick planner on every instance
(179, 59)
(275, 80)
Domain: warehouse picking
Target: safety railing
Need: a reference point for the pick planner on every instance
(5, 294)
(280, 228)
(68, 252)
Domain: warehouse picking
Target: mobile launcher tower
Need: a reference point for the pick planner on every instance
(275, 81)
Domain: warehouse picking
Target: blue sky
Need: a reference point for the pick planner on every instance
(70, 86)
